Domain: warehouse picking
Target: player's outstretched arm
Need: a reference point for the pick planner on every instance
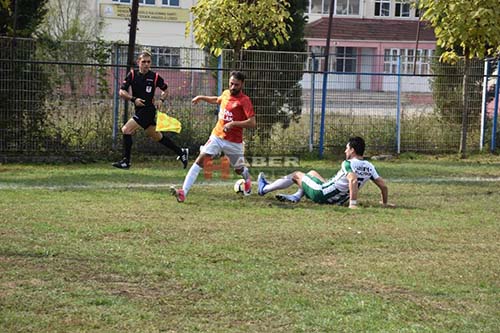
(208, 99)
(384, 191)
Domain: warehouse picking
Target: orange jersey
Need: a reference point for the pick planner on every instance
(232, 108)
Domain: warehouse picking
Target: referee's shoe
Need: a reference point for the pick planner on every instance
(123, 164)
(184, 157)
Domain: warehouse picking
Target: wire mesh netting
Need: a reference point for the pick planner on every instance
(63, 100)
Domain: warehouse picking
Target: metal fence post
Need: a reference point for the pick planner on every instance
(116, 98)
(495, 112)
(484, 103)
(323, 111)
(311, 113)
(398, 110)
(220, 74)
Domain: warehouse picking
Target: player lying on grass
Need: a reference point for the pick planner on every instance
(354, 173)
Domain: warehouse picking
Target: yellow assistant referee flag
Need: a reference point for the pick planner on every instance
(165, 123)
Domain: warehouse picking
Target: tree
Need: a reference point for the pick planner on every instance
(20, 18)
(239, 24)
(275, 87)
(258, 25)
(472, 26)
(69, 21)
(65, 35)
(447, 90)
(21, 111)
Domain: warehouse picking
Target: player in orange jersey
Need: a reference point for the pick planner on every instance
(235, 113)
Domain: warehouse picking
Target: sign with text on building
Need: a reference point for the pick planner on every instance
(145, 13)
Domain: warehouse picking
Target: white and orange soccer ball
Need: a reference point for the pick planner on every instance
(239, 186)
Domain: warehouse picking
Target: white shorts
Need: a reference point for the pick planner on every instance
(234, 151)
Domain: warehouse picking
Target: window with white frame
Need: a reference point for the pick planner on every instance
(347, 7)
(421, 61)
(142, 2)
(345, 59)
(319, 6)
(342, 7)
(402, 8)
(166, 56)
(342, 59)
(382, 7)
(317, 62)
(173, 3)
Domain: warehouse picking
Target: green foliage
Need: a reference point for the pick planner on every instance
(473, 26)
(273, 78)
(65, 35)
(236, 24)
(101, 52)
(21, 113)
(447, 89)
(297, 22)
(81, 127)
(196, 127)
(29, 15)
(69, 21)
(276, 92)
(421, 132)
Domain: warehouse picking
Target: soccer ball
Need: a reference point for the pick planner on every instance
(239, 186)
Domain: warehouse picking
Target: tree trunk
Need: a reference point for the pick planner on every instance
(465, 110)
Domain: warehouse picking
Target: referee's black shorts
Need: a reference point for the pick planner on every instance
(145, 116)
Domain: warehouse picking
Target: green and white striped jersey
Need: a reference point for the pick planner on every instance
(364, 170)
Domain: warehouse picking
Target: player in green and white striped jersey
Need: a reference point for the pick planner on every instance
(354, 173)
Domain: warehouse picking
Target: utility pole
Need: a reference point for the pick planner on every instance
(325, 81)
(131, 45)
(14, 28)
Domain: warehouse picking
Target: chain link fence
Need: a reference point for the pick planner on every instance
(62, 100)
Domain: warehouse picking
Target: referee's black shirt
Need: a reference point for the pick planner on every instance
(143, 85)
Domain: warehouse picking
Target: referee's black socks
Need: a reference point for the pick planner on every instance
(167, 142)
(127, 146)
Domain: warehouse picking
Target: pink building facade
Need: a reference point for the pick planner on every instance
(367, 46)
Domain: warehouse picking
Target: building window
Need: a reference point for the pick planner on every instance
(345, 59)
(402, 8)
(173, 3)
(382, 7)
(142, 2)
(319, 6)
(317, 62)
(342, 7)
(166, 56)
(347, 7)
(421, 61)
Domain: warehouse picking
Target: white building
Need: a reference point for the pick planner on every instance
(161, 22)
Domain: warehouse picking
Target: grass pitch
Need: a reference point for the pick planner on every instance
(89, 248)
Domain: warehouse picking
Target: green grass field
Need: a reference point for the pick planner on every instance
(89, 248)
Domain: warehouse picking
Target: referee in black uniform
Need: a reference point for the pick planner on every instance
(144, 83)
